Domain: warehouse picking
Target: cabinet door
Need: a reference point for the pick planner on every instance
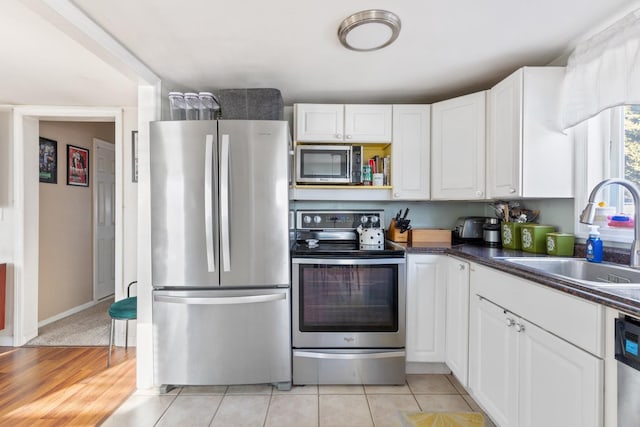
(425, 308)
(457, 319)
(458, 148)
(505, 137)
(544, 175)
(367, 123)
(410, 152)
(493, 361)
(560, 385)
(319, 122)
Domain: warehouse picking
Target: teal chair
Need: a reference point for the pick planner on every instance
(126, 309)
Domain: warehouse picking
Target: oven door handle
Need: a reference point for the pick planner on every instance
(350, 356)
(348, 261)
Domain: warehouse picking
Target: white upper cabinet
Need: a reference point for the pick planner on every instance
(410, 152)
(527, 154)
(355, 123)
(367, 123)
(458, 148)
(319, 122)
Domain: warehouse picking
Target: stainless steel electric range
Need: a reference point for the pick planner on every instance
(348, 303)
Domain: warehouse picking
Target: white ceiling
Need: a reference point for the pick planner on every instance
(445, 48)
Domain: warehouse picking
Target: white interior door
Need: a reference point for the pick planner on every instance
(104, 224)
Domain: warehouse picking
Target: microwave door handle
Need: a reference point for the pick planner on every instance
(349, 160)
(224, 202)
(208, 203)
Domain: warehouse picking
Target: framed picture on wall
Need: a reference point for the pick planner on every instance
(48, 161)
(77, 166)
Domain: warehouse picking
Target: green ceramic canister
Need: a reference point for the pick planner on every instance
(534, 237)
(560, 244)
(510, 233)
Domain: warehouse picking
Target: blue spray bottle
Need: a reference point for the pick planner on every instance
(594, 245)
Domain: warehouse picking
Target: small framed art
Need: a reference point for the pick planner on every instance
(77, 166)
(48, 161)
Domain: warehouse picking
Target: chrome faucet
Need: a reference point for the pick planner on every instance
(588, 214)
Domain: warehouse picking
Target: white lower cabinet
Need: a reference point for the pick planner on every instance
(524, 376)
(559, 384)
(457, 319)
(426, 276)
(492, 361)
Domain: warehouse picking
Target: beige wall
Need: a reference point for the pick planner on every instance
(65, 233)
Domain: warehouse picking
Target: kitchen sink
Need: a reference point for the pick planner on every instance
(593, 274)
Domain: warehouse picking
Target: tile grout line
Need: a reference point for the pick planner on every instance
(318, 394)
(167, 408)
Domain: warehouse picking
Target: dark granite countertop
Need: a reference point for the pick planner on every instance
(627, 300)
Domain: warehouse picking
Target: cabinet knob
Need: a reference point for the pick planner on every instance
(461, 267)
(396, 194)
(338, 136)
(512, 190)
(519, 327)
(479, 193)
(348, 136)
(510, 322)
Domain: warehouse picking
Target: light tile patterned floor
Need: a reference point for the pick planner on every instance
(306, 406)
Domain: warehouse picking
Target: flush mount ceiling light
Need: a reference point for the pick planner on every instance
(369, 30)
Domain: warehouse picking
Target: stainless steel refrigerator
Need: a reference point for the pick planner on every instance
(220, 252)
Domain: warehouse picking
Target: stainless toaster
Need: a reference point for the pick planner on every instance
(469, 227)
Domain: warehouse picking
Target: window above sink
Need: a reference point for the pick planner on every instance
(608, 146)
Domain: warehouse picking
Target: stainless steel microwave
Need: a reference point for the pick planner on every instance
(329, 164)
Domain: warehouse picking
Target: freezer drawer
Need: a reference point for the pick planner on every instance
(221, 337)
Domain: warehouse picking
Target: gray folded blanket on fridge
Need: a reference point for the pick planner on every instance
(251, 104)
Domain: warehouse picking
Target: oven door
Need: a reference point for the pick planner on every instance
(348, 303)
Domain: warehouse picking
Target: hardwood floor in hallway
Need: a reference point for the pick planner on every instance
(63, 386)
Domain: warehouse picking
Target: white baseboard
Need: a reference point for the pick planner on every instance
(64, 314)
(427, 368)
(6, 341)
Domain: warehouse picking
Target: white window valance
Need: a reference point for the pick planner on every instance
(603, 72)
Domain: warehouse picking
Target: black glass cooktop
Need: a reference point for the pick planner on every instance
(350, 249)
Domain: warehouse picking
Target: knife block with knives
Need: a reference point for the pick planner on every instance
(395, 234)
(399, 228)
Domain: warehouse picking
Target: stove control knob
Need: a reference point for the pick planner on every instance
(374, 219)
(317, 219)
(307, 219)
(364, 219)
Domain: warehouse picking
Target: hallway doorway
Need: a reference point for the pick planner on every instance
(26, 134)
(76, 257)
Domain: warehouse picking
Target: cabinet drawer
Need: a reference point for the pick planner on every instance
(573, 319)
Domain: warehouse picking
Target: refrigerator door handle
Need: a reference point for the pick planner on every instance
(224, 203)
(251, 299)
(208, 203)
